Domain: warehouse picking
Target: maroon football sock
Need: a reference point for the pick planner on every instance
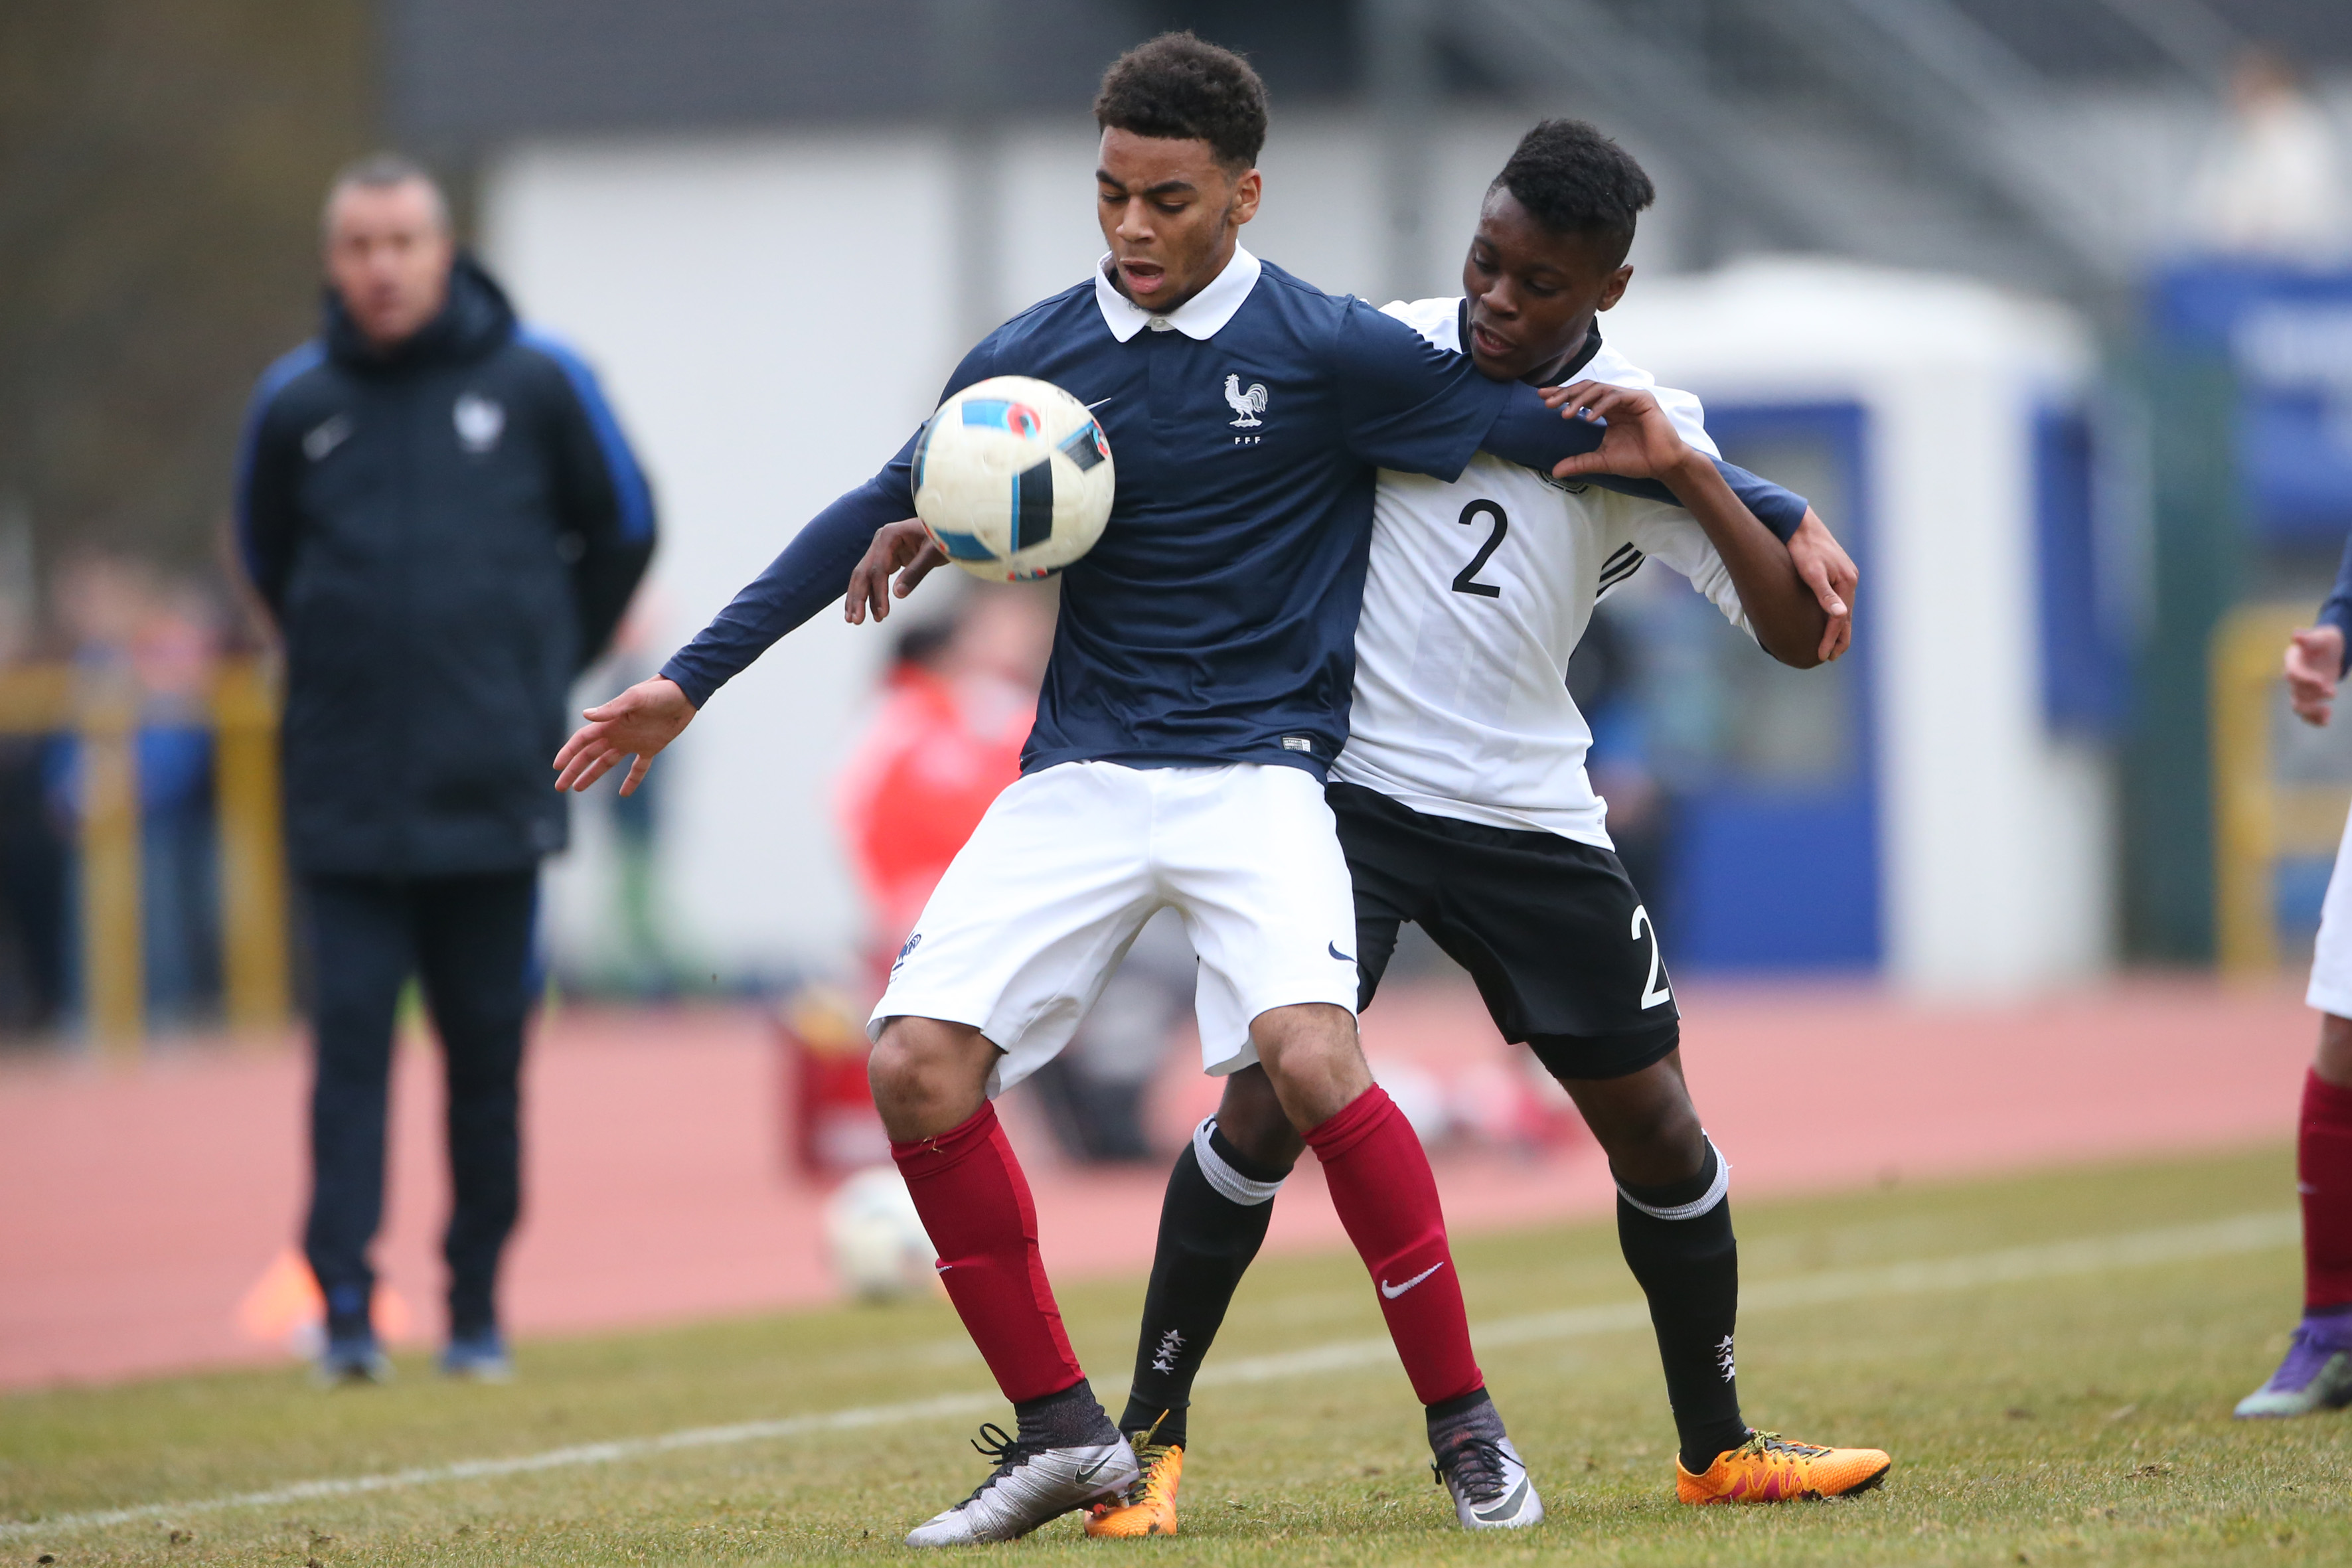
(977, 1210)
(1387, 1198)
(2324, 1173)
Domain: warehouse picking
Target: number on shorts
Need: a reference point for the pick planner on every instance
(1657, 990)
(1462, 579)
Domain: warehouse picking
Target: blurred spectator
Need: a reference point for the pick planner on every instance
(958, 705)
(1093, 1092)
(32, 899)
(174, 656)
(2271, 183)
(32, 840)
(122, 618)
(442, 515)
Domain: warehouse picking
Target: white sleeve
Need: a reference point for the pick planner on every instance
(1671, 536)
(1683, 409)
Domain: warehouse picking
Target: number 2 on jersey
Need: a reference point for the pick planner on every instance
(1462, 579)
(1656, 991)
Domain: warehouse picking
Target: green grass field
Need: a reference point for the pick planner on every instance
(2044, 1404)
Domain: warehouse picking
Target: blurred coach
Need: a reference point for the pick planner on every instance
(446, 522)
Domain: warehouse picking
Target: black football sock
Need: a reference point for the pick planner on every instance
(1466, 1415)
(1678, 1242)
(1212, 1224)
(1073, 1418)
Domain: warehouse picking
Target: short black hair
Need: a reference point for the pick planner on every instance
(1182, 89)
(380, 171)
(1574, 180)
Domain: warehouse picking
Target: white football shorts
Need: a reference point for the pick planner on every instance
(1038, 908)
(2331, 955)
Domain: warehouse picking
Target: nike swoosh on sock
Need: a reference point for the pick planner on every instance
(1393, 1291)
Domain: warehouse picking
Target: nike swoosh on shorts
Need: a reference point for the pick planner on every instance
(1342, 957)
(1393, 1291)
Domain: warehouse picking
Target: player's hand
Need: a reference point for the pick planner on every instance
(906, 548)
(1641, 442)
(2315, 657)
(637, 723)
(1832, 574)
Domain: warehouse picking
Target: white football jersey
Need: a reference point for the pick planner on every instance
(1478, 592)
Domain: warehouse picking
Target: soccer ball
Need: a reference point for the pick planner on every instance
(1013, 478)
(879, 1248)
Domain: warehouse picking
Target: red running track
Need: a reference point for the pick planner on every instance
(137, 1207)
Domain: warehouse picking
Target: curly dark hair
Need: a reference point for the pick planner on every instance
(1180, 88)
(1574, 180)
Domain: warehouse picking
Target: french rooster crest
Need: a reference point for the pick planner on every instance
(1249, 404)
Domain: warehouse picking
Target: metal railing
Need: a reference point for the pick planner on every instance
(103, 711)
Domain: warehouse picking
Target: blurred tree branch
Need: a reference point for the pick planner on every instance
(161, 167)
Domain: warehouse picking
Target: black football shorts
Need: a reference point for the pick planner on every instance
(1551, 928)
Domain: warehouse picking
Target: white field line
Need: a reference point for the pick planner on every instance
(2057, 1260)
(2096, 1254)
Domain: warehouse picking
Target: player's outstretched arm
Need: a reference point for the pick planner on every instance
(2315, 662)
(1543, 431)
(813, 569)
(649, 715)
(1410, 405)
(906, 548)
(632, 728)
(1641, 442)
(1833, 576)
(1571, 455)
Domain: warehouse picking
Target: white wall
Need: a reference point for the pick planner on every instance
(1995, 864)
(771, 318)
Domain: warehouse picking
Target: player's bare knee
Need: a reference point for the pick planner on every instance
(1667, 1145)
(1249, 1115)
(1312, 1060)
(2333, 1061)
(892, 1072)
(1645, 1122)
(927, 1075)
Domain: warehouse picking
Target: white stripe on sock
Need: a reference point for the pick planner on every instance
(1230, 1184)
(1714, 1193)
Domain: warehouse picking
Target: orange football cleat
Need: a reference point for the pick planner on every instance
(1149, 1506)
(1768, 1468)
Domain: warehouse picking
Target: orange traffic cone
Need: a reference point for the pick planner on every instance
(284, 1308)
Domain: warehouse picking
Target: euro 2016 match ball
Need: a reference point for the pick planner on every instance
(1013, 478)
(880, 1252)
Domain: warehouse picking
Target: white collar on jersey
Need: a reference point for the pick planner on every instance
(1200, 317)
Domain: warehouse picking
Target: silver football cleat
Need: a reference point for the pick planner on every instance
(1029, 1486)
(1489, 1485)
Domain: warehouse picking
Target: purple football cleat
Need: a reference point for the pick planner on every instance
(2316, 1373)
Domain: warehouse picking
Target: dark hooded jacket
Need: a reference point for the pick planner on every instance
(447, 535)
